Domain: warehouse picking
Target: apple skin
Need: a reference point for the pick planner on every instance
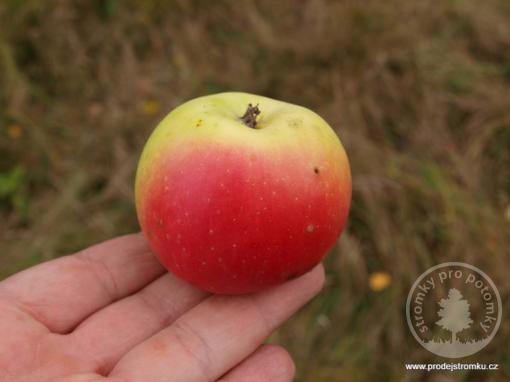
(233, 209)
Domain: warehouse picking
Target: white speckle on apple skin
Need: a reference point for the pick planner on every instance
(310, 228)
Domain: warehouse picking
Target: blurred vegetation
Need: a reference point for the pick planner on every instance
(418, 91)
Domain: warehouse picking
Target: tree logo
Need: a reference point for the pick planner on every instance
(454, 313)
(453, 310)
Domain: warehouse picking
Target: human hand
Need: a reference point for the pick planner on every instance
(112, 313)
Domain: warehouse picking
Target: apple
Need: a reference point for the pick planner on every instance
(236, 192)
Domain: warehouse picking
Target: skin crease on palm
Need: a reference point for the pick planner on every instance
(112, 313)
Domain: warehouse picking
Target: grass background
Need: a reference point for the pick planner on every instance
(418, 91)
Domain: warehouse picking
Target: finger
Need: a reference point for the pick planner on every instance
(62, 292)
(268, 364)
(110, 333)
(216, 334)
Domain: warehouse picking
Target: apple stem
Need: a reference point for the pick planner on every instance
(250, 116)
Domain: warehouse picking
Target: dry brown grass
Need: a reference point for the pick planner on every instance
(417, 90)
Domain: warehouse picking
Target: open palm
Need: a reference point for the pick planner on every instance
(112, 313)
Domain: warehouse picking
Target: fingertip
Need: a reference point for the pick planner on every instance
(269, 363)
(315, 279)
(320, 276)
(282, 365)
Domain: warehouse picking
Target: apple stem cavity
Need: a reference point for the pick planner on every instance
(250, 116)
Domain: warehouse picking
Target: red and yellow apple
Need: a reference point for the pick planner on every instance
(236, 192)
